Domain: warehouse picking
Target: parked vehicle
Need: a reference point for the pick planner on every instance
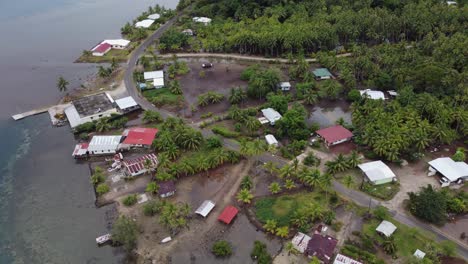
(207, 65)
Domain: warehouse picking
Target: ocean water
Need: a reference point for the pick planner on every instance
(47, 212)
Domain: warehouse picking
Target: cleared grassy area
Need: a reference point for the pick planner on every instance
(407, 239)
(282, 208)
(384, 191)
(119, 55)
(162, 97)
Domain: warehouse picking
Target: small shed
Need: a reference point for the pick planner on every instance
(204, 20)
(372, 94)
(334, 135)
(158, 83)
(166, 189)
(285, 86)
(81, 150)
(127, 104)
(322, 74)
(272, 115)
(271, 140)
(377, 172)
(205, 208)
(419, 254)
(386, 228)
(228, 214)
(154, 16)
(300, 242)
(144, 23)
(342, 259)
(153, 75)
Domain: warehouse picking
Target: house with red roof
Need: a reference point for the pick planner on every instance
(228, 214)
(101, 49)
(321, 247)
(138, 137)
(334, 135)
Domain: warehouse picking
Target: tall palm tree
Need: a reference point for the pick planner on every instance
(313, 178)
(389, 245)
(326, 183)
(244, 196)
(237, 95)
(252, 124)
(311, 97)
(62, 84)
(354, 159)
(103, 125)
(252, 148)
(348, 181)
(271, 167)
(274, 188)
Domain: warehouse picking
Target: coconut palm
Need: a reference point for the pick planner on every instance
(286, 171)
(289, 184)
(271, 167)
(244, 196)
(174, 87)
(282, 231)
(164, 176)
(348, 181)
(237, 95)
(103, 125)
(291, 249)
(338, 165)
(274, 188)
(354, 159)
(246, 183)
(186, 168)
(299, 219)
(389, 245)
(310, 97)
(252, 148)
(192, 139)
(270, 225)
(313, 178)
(62, 84)
(252, 124)
(326, 183)
(114, 65)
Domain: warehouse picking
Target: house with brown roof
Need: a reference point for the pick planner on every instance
(166, 189)
(321, 247)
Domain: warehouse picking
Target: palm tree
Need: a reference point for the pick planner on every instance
(252, 124)
(270, 226)
(62, 84)
(252, 148)
(282, 231)
(338, 165)
(192, 140)
(172, 151)
(389, 245)
(313, 178)
(174, 87)
(291, 249)
(103, 125)
(114, 65)
(152, 188)
(237, 95)
(271, 167)
(244, 196)
(310, 97)
(354, 159)
(186, 168)
(164, 176)
(289, 184)
(326, 183)
(348, 181)
(274, 188)
(246, 183)
(103, 72)
(286, 171)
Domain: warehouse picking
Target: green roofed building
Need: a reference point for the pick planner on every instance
(322, 74)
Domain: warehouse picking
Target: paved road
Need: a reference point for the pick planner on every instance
(358, 197)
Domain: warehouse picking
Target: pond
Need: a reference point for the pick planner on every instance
(326, 113)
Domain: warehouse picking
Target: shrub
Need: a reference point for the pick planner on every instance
(151, 208)
(336, 226)
(86, 127)
(84, 136)
(130, 200)
(260, 253)
(249, 72)
(225, 132)
(213, 142)
(381, 213)
(150, 116)
(221, 248)
(354, 95)
(125, 232)
(311, 160)
(102, 189)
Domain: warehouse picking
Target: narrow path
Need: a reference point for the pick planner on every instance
(356, 196)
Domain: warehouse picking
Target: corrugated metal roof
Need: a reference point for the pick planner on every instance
(104, 143)
(386, 228)
(205, 208)
(322, 72)
(334, 133)
(449, 168)
(153, 75)
(144, 23)
(375, 95)
(126, 102)
(271, 114)
(376, 170)
(137, 166)
(228, 214)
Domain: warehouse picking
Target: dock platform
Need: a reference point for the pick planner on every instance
(30, 113)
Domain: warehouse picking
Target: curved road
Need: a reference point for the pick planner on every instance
(356, 196)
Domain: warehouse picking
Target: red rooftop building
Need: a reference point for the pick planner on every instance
(101, 49)
(335, 135)
(139, 137)
(228, 214)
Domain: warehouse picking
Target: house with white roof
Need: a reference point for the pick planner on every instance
(157, 77)
(451, 171)
(271, 140)
(342, 259)
(271, 115)
(144, 23)
(386, 228)
(203, 20)
(90, 108)
(188, 32)
(377, 172)
(99, 145)
(117, 43)
(154, 16)
(372, 94)
(205, 208)
(300, 242)
(127, 104)
(285, 86)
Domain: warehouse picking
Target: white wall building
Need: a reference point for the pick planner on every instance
(104, 145)
(127, 104)
(377, 172)
(205, 208)
(271, 140)
(372, 94)
(117, 43)
(144, 23)
(203, 20)
(90, 108)
(271, 114)
(451, 171)
(154, 16)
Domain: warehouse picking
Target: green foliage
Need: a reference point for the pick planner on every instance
(293, 124)
(213, 142)
(150, 116)
(85, 128)
(459, 155)
(358, 253)
(209, 98)
(238, 95)
(62, 84)
(225, 132)
(174, 87)
(174, 216)
(130, 200)
(102, 189)
(246, 183)
(263, 82)
(354, 95)
(161, 97)
(428, 204)
(245, 196)
(278, 102)
(173, 40)
(178, 68)
(152, 208)
(221, 248)
(311, 160)
(98, 176)
(260, 253)
(250, 71)
(381, 213)
(125, 232)
(152, 188)
(274, 187)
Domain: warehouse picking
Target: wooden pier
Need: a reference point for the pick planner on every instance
(30, 113)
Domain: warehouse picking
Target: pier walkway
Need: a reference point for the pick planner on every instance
(31, 113)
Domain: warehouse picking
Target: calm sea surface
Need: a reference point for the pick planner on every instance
(47, 212)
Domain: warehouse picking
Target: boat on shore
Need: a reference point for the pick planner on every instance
(103, 239)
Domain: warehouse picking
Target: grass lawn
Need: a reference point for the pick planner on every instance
(119, 55)
(407, 239)
(282, 208)
(162, 97)
(384, 191)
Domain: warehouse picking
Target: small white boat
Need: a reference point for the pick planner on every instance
(103, 239)
(165, 240)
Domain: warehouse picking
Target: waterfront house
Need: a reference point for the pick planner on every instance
(321, 247)
(322, 74)
(154, 16)
(228, 214)
(451, 171)
(271, 115)
(334, 135)
(140, 165)
(285, 86)
(203, 20)
(166, 189)
(386, 228)
(127, 104)
(101, 49)
(205, 208)
(144, 23)
(90, 108)
(99, 145)
(372, 94)
(117, 43)
(138, 137)
(377, 172)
